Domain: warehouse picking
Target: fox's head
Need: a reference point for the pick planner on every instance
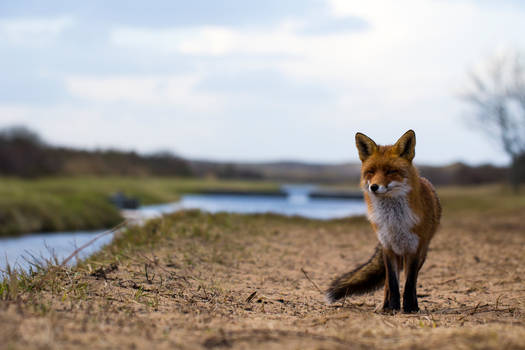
(387, 170)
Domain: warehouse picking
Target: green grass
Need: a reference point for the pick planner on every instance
(81, 203)
(42, 273)
(493, 199)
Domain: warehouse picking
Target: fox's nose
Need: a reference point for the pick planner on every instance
(374, 187)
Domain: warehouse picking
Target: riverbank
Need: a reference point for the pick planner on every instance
(196, 280)
(81, 203)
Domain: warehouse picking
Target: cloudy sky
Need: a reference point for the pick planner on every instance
(252, 80)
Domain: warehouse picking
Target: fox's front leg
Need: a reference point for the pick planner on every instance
(412, 266)
(392, 297)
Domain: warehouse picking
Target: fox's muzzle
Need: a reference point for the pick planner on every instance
(375, 188)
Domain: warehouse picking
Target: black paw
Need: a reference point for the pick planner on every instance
(391, 308)
(408, 309)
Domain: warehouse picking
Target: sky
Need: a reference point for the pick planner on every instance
(238, 80)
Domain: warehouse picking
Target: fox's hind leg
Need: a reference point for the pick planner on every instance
(392, 266)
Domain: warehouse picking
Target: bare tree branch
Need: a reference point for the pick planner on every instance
(497, 98)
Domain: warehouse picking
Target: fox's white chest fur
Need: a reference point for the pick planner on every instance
(394, 219)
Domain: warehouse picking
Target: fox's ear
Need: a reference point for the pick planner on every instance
(365, 145)
(406, 145)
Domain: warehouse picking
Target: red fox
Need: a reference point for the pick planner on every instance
(404, 211)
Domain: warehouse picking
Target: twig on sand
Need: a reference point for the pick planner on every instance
(102, 234)
(309, 279)
(150, 280)
(250, 298)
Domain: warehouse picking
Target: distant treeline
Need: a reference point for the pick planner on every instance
(24, 154)
(462, 174)
(455, 174)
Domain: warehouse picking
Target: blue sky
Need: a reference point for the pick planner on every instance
(252, 80)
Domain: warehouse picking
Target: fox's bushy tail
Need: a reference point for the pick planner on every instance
(365, 278)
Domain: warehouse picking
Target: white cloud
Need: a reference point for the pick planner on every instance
(140, 90)
(209, 40)
(408, 43)
(33, 31)
(202, 40)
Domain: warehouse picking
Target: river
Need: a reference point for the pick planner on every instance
(20, 251)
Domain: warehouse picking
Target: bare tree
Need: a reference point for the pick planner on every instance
(497, 95)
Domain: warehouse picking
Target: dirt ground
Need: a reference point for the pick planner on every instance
(198, 281)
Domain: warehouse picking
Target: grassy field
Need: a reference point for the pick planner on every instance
(198, 281)
(60, 204)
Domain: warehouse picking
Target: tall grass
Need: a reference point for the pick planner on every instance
(26, 210)
(15, 282)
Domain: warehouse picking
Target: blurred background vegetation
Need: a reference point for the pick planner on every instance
(45, 188)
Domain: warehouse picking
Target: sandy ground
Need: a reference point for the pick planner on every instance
(249, 282)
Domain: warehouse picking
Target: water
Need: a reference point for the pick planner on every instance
(18, 250)
(293, 205)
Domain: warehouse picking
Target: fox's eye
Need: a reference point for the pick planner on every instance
(391, 172)
(369, 172)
